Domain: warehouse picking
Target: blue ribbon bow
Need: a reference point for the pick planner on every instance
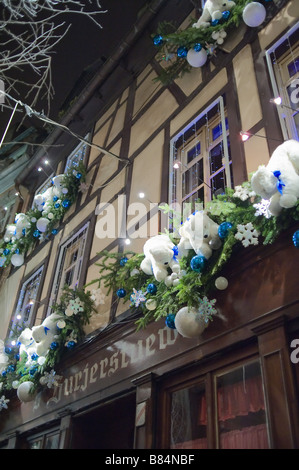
(279, 184)
(175, 253)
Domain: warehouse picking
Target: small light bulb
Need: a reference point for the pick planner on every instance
(46, 162)
(245, 136)
(39, 168)
(176, 165)
(127, 241)
(277, 100)
(141, 195)
(19, 317)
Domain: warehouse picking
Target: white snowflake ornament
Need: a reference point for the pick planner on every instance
(243, 192)
(3, 403)
(247, 234)
(50, 379)
(98, 297)
(137, 297)
(262, 208)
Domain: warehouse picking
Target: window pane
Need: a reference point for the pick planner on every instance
(36, 444)
(293, 67)
(241, 409)
(52, 441)
(193, 153)
(189, 418)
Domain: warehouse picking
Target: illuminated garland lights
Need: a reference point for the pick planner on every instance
(180, 50)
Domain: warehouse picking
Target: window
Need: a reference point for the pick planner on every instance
(49, 440)
(79, 154)
(69, 266)
(200, 158)
(283, 65)
(29, 294)
(222, 409)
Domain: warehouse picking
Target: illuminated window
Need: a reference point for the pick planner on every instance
(26, 307)
(78, 155)
(200, 158)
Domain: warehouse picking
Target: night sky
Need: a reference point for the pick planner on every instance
(83, 45)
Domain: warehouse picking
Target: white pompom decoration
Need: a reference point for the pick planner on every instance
(221, 283)
(23, 391)
(254, 14)
(189, 322)
(17, 259)
(42, 224)
(197, 59)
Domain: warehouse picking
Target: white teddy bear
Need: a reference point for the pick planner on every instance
(279, 180)
(45, 334)
(199, 233)
(10, 232)
(42, 201)
(22, 222)
(212, 11)
(160, 254)
(27, 344)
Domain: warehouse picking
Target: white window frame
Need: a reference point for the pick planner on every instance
(287, 125)
(60, 272)
(22, 298)
(172, 172)
(82, 147)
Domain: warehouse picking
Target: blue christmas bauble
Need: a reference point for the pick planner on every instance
(123, 261)
(170, 320)
(296, 239)
(158, 40)
(11, 368)
(33, 371)
(182, 52)
(7, 350)
(71, 344)
(198, 263)
(66, 203)
(214, 22)
(197, 47)
(121, 293)
(34, 357)
(6, 251)
(4, 373)
(54, 231)
(36, 233)
(57, 205)
(78, 176)
(151, 289)
(17, 357)
(225, 15)
(55, 198)
(54, 345)
(223, 229)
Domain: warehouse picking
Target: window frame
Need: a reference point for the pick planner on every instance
(287, 123)
(173, 175)
(21, 297)
(205, 373)
(82, 146)
(57, 285)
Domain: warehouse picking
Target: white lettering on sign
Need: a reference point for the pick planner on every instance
(127, 354)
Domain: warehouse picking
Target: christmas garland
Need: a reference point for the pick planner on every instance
(181, 50)
(42, 220)
(243, 220)
(23, 371)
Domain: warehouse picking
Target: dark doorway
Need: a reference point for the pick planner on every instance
(109, 426)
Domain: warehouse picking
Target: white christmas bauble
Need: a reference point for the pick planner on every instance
(151, 304)
(189, 322)
(23, 391)
(254, 14)
(42, 224)
(134, 272)
(17, 259)
(168, 281)
(221, 283)
(15, 384)
(215, 243)
(41, 360)
(197, 59)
